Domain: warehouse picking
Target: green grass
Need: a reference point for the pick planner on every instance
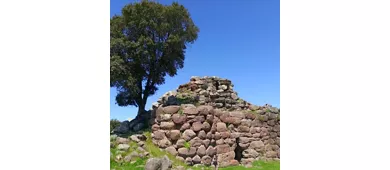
(155, 151)
(187, 145)
(257, 165)
(137, 165)
(181, 111)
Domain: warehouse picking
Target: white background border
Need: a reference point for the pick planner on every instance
(54, 89)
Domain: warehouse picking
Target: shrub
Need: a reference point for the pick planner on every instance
(181, 111)
(204, 86)
(187, 99)
(114, 123)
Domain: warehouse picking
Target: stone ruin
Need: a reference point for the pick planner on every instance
(205, 117)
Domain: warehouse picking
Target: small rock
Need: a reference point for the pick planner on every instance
(124, 147)
(118, 158)
(196, 142)
(121, 140)
(201, 151)
(188, 161)
(159, 135)
(171, 150)
(254, 107)
(206, 160)
(174, 135)
(202, 134)
(164, 143)
(196, 159)
(221, 127)
(188, 134)
(185, 126)
(197, 126)
(134, 138)
(180, 143)
(165, 117)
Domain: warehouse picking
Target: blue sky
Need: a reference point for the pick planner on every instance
(237, 40)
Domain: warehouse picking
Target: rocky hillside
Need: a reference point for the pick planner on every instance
(205, 117)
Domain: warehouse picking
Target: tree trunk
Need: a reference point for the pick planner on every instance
(141, 109)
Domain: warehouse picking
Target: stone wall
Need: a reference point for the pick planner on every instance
(205, 117)
(213, 91)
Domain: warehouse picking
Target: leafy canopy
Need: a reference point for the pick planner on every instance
(147, 42)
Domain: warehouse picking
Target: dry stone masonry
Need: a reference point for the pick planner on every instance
(205, 117)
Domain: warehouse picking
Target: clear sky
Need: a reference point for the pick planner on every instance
(238, 40)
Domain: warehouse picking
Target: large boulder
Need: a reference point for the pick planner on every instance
(250, 153)
(223, 148)
(158, 163)
(166, 163)
(205, 110)
(167, 125)
(123, 127)
(256, 145)
(237, 114)
(178, 118)
(171, 109)
(190, 110)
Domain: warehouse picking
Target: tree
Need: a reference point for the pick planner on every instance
(147, 42)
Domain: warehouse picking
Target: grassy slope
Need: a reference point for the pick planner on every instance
(156, 152)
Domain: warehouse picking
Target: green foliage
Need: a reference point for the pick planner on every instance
(257, 165)
(187, 98)
(268, 111)
(181, 112)
(114, 123)
(187, 145)
(137, 165)
(278, 118)
(147, 42)
(261, 117)
(204, 86)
